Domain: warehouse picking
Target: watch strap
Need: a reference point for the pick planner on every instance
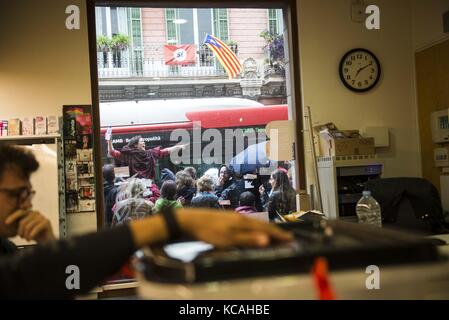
(173, 228)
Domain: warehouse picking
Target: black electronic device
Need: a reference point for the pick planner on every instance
(345, 245)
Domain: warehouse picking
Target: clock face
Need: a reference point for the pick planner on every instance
(359, 70)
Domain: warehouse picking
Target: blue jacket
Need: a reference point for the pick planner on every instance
(205, 200)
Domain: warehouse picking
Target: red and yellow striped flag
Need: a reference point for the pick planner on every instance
(225, 55)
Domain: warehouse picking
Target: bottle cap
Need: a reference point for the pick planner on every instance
(366, 193)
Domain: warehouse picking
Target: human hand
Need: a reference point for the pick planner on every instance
(228, 229)
(181, 200)
(261, 189)
(31, 225)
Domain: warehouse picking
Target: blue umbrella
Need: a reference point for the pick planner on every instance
(251, 159)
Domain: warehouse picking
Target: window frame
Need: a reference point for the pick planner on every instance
(291, 21)
(216, 23)
(176, 26)
(273, 19)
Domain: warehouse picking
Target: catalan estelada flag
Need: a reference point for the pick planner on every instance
(225, 55)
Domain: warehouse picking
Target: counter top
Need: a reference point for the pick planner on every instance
(406, 281)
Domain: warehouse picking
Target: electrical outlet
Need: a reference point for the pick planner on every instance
(358, 12)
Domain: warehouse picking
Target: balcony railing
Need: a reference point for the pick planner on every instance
(126, 65)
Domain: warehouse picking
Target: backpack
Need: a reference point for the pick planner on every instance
(409, 203)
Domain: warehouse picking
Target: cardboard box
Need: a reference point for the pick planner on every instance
(121, 172)
(28, 126)
(86, 205)
(41, 125)
(3, 128)
(84, 155)
(52, 125)
(334, 142)
(380, 134)
(15, 127)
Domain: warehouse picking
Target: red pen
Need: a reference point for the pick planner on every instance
(321, 279)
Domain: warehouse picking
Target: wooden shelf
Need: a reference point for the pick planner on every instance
(27, 140)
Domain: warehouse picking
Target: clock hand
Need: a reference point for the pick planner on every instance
(358, 71)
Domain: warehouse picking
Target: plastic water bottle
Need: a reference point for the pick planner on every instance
(108, 134)
(368, 210)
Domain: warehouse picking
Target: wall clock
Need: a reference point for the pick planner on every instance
(359, 70)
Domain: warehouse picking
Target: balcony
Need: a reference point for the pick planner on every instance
(125, 76)
(123, 64)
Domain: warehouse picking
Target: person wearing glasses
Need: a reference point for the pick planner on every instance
(16, 214)
(41, 271)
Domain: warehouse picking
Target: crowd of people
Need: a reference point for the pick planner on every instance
(220, 188)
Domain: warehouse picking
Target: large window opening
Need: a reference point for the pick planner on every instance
(195, 89)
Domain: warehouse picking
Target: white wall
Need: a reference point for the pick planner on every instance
(428, 22)
(326, 33)
(43, 66)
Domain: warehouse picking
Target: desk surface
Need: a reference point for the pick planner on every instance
(417, 281)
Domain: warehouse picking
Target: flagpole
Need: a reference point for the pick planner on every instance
(205, 37)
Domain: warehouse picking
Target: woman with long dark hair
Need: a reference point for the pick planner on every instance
(282, 197)
(229, 186)
(225, 179)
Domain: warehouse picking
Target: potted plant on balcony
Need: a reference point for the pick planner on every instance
(233, 45)
(276, 56)
(119, 43)
(104, 46)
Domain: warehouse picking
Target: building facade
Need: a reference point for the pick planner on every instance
(131, 63)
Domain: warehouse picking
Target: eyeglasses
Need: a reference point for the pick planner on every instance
(21, 194)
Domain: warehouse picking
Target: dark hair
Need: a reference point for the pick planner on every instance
(247, 198)
(281, 180)
(108, 173)
(17, 157)
(282, 185)
(134, 141)
(166, 175)
(229, 170)
(191, 171)
(168, 190)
